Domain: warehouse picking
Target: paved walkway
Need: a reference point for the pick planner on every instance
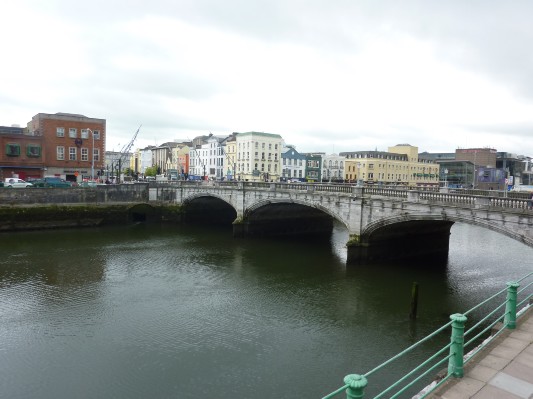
(503, 370)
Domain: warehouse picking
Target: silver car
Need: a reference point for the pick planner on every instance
(14, 182)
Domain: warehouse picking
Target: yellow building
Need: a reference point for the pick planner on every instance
(398, 166)
(230, 157)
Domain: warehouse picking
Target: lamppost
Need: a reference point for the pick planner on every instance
(92, 156)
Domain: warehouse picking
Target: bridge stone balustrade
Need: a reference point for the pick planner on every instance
(382, 222)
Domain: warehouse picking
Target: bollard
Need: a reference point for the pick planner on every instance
(455, 364)
(356, 388)
(510, 306)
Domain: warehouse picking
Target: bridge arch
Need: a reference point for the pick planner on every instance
(208, 208)
(496, 226)
(250, 209)
(287, 217)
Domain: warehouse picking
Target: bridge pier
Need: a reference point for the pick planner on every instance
(239, 228)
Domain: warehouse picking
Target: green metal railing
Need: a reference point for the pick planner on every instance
(484, 331)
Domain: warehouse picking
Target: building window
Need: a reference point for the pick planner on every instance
(84, 133)
(84, 154)
(72, 133)
(72, 152)
(96, 154)
(60, 132)
(13, 150)
(60, 153)
(33, 150)
(96, 134)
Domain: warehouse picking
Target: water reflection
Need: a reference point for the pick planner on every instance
(178, 311)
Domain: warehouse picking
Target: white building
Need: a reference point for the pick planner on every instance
(145, 159)
(215, 157)
(258, 156)
(206, 158)
(333, 168)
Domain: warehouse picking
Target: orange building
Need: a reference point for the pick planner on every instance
(73, 145)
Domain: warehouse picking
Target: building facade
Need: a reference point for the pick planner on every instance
(399, 166)
(292, 164)
(73, 144)
(229, 147)
(258, 156)
(22, 155)
(145, 160)
(313, 167)
(333, 168)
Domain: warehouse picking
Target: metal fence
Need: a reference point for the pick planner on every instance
(496, 315)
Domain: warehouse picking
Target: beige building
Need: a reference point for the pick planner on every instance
(400, 165)
(258, 156)
(230, 158)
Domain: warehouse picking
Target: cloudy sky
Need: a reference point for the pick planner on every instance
(335, 75)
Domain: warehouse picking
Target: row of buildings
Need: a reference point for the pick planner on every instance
(259, 156)
(73, 147)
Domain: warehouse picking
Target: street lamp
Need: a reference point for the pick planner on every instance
(92, 156)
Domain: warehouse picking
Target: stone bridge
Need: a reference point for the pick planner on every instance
(382, 222)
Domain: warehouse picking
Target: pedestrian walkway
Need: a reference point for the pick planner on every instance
(503, 370)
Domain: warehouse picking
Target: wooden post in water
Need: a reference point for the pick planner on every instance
(414, 301)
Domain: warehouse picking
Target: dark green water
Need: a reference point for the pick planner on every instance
(179, 312)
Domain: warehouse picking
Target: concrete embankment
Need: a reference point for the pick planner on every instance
(48, 216)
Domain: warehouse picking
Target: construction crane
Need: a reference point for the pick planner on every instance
(124, 153)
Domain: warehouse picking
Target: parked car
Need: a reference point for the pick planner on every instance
(51, 182)
(17, 183)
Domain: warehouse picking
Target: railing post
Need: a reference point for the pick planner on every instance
(510, 306)
(455, 364)
(356, 388)
(413, 196)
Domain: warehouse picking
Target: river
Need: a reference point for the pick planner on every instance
(163, 311)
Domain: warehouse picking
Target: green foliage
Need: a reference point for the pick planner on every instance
(151, 171)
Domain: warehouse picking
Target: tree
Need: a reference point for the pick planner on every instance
(150, 171)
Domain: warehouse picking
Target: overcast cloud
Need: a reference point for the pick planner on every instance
(327, 76)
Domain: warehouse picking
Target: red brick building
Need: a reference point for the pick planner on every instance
(73, 145)
(21, 155)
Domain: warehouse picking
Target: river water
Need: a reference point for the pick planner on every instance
(160, 311)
